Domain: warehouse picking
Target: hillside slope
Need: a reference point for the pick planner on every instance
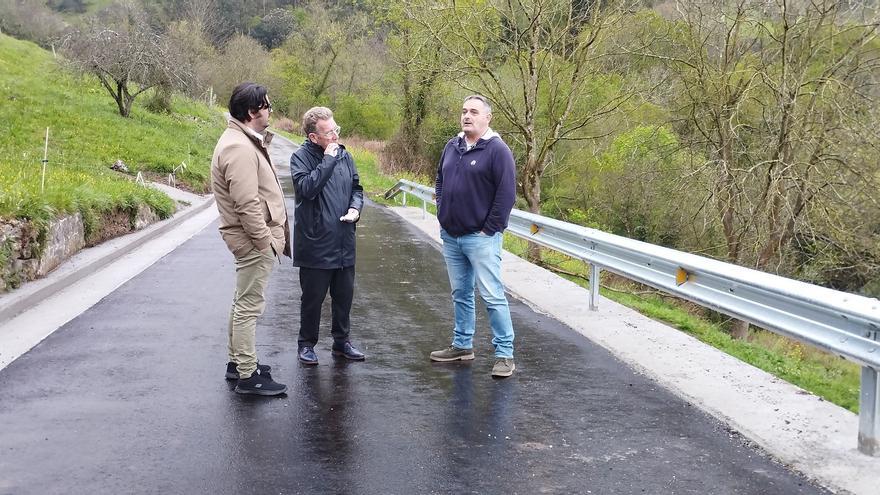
(86, 136)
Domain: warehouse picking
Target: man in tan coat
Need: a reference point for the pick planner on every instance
(253, 222)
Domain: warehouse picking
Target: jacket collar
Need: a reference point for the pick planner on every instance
(247, 131)
(486, 137)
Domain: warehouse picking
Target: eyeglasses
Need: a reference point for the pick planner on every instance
(336, 130)
(267, 106)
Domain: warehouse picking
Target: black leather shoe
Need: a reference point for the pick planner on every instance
(307, 355)
(348, 352)
(232, 370)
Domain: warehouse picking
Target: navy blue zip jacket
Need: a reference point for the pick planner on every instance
(475, 188)
(326, 187)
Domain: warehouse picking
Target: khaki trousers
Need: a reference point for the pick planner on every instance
(252, 272)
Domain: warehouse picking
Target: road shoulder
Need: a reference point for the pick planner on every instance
(32, 312)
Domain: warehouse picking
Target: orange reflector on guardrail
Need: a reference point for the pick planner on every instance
(681, 276)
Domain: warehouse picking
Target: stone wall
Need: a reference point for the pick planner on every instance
(20, 256)
(18, 253)
(66, 236)
(145, 216)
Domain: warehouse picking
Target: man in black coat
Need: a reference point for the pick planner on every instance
(329, 199)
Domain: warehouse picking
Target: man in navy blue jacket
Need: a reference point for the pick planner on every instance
(329, 199)
(476, 189)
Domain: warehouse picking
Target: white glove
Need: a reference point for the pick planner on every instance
(351, 216)
(332, 149)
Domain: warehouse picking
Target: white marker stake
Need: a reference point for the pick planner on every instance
(45, 161)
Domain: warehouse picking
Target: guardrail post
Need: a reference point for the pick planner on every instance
(424, 209)
(594, 287)
(869, 413)
(404, 198)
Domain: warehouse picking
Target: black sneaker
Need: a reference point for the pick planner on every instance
(258, 384)
(232, 370)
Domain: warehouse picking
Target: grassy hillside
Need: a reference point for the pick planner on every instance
(86, 136)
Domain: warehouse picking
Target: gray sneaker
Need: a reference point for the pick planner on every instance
(503, 367)
(452, 353)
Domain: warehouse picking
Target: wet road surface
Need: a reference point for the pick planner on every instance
(130, 398)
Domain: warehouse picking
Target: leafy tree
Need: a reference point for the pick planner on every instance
(272, 29)
(366, 115)
(329, 56)
(75, 6)
(778, 97)
(242, 59)
(632, 187)
(418, 57)
(234, 17)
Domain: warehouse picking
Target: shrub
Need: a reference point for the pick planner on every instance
(159, 100)
(31, 20)
(366, 116)
(286, 125)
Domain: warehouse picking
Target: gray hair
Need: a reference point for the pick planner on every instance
(312, 116)
(480, 98)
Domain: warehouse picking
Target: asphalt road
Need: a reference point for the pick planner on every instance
(129, 397)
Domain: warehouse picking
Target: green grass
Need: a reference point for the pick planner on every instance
(86, 136)
(374, 183)
(295, 138)
(71, 189)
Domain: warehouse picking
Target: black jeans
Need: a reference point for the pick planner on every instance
(314, 283)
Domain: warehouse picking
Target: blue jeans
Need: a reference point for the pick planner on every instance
(470, 258)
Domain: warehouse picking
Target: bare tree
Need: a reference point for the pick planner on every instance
(777, 96)
(243, 59)
(194, 50)
(201, 15)
(126, 55)
(534, 59)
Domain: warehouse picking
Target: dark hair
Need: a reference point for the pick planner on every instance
(245, 97)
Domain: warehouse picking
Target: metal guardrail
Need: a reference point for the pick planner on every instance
(844, 324)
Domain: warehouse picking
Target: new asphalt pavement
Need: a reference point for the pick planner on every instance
(130, 397)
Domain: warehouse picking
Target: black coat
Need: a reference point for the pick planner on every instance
(326, 187)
